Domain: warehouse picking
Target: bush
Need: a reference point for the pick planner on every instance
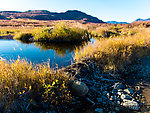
(61, 33)
(25, 37)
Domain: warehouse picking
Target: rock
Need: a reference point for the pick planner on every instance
(119, 93)
(118, 86)
(129, 91)
(99, 110)
(131, 105)
(114, 98)
(120, 90)
(114, 92)
(123, 96)
(108, 95)
(79, 88)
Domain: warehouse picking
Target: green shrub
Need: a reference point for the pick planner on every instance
(61, 33)
(25, 37)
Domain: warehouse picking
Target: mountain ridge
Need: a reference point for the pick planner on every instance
(139, 19)
(47, 15)
(116, 22)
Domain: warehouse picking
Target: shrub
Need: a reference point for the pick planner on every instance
(25, 37)
(61, 33)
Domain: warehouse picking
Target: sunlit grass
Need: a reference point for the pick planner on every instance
(61, 33)
(22, 80)
(116, 52)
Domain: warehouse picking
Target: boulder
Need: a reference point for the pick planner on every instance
(79, 88)
(129, 91)
(133, 105)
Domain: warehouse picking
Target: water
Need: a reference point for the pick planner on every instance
(55, 54)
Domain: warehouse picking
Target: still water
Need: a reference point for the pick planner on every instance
(55, 54)
(58, 55)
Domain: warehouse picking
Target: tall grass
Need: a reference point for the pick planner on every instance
(59, 33)
(115, 53)
(24, 37)
(62, 33)
(21, 81)
(113, 31)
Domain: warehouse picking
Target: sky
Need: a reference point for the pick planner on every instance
(106, 10)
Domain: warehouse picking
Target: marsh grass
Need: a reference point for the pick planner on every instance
(59, 33)
(115, 53)
(24, 37)
(62, 33)
(20, 80)
(113, 31)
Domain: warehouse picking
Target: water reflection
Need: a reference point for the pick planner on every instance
(60, 54)
(60, 48)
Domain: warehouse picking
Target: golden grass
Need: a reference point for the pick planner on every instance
(21, 79)
(115, 52)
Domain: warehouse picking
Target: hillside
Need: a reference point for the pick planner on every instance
(46, 15)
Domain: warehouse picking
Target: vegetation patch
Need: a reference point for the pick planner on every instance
(61, 33)
(24, 86)
(115, 53)
(25, 37)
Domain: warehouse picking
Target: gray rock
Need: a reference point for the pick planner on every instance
(131, 105)
(114, 98)
(120, 90)
(118, 86)
(108, 95)
(79, 88)
(124, 96)
(129, 91)
(119, 93)
(99, 110)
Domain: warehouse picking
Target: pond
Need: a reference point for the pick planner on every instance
(58, 55)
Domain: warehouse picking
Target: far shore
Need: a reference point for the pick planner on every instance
(6, 37)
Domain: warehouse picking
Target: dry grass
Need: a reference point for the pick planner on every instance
(114, 53)
(20, 80)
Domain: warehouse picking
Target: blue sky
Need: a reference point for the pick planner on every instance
(106, 10)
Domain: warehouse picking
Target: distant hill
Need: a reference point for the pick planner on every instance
(46, 15)
(142, 19)
(115, 22)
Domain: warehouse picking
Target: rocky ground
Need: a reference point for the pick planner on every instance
(99, 91)
(141, 80)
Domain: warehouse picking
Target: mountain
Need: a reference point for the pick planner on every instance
(46, 15)
(142, 19)
(115, 22)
